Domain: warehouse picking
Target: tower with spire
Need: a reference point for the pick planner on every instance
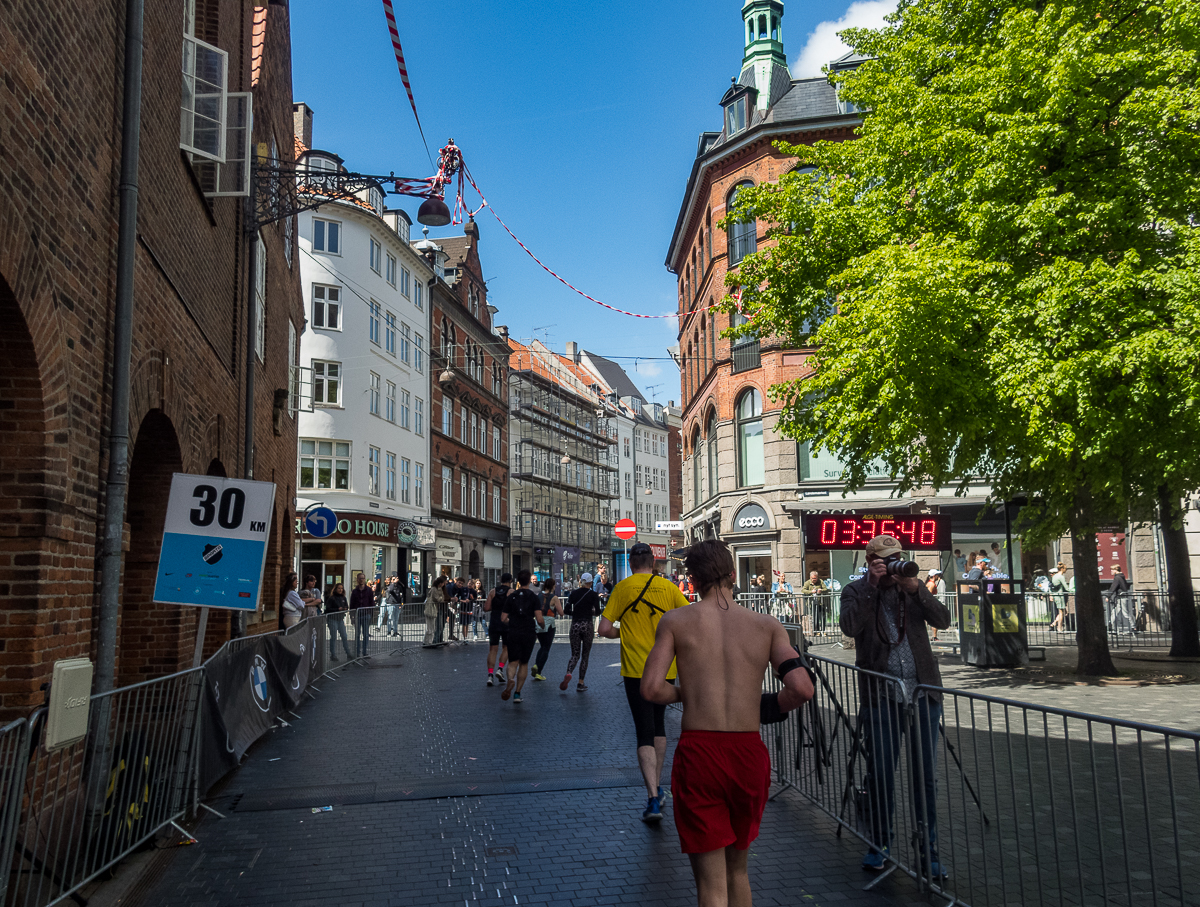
(764, 66)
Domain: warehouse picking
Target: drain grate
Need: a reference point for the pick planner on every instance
(503, 850)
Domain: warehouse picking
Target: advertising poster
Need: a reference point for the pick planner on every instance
(214, 542)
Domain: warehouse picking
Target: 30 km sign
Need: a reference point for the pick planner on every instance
(625, 529)
(214, 542)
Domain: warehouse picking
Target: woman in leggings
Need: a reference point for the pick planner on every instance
(551, 606)
(583, 605)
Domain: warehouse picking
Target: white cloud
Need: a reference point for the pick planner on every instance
(824, 46)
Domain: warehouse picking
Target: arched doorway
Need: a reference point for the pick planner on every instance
(473, 564)
(151, 634)
(23, 529)
(216, 468)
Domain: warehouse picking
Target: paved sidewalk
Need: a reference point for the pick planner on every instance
(424, 767)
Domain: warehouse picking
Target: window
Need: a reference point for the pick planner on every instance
(376, 255)
(483, 499)
(375, 312)
(405, 397)
(390, 402)
(473, 299)
(474, 431)
(419, 484)
(327, 236)
(447, 415)
(483, 436)
(405, 276)
(419, 416)
(474, 496)
(447, 488)
(324, 464)
(496, 379)
(391, 269)
(462, 423)
(405, 341)
(373, 471)
(742, 237)
(496, 503)
(419, 353)
(260, 301)
(654, 444)
(638, 470)
(735, 116)
(327, 383)
(390, 475)
(293, 371)
(389, 333)
(626, 439)
(641, 518)
(289, 238)
(496, 442)
(374, 398)
(405, 476)
(750, 439)
(712, 454)
(628, 485)
(462, 493)
(326, 307)
(203, 103)
(697, 494)
(418, 294)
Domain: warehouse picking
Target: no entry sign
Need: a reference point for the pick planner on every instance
(625, 529)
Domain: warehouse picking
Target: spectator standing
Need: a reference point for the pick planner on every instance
(394, 597)
(685, 586)
(362, 603)
(887, 617)
(336, 606)
(435, 605)
(937, 588)
(600, 585)
(311, 596)
(781, 593)
(1059, 589)
(464, 598)
(1120, 603)
(816, 600)
(632, 615)
(583, 604)
(291, 606)
(551, 608)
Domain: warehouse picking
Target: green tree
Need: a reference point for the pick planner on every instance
(1004, 267)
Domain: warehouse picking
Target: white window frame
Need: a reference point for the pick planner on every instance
(405, 277)
(374, 394)
(391, 269)
(447, 487)
(419, 416)
(373, 462)
(230, 178)
(405, 405)
(496, 503)
(419, 353)
(496, 442)
(419, 484)
(405, 341)
(215, 82)
(419, 294)
(293, 371)
(326, 223)
(447, 417)
(462, 492)
(321, 323)
(321, 377)
(389, 332)
(474, 496)
(260, 300)
(376, 256)
(390, 475)
(390, 402)
(314, 456)
(405, 470)
(374, 314)
(462, 424)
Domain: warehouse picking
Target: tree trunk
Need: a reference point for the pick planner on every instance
(1181, 600)
(1091, 632)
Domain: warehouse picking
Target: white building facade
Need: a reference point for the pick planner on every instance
(364, 392)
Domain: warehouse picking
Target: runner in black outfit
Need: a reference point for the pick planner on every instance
(583, 605)
(497, 631)
(523, 615)
(551, 606)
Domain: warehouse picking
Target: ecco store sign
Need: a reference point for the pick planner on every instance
(750, 518)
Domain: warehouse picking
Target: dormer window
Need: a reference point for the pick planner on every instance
(735, 116)
(317, 164)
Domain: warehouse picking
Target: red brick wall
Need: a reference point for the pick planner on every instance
(60, 126)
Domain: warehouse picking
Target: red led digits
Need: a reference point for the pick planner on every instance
(828, 532)
(928, 532)
(850, 532)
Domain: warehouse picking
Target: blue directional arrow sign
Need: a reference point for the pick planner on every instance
(320, 522)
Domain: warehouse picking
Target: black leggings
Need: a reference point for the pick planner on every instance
(546, 638)
(581, 645)
(649, 719)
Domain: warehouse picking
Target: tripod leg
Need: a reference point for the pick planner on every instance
(963, 774)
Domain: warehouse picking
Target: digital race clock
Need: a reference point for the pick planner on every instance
(844, 531)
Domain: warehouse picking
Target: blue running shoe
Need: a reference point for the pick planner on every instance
(875, 860)
(662, 796)
(652, 814)
(516, 697)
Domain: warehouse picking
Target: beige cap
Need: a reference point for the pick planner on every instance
(883, 546)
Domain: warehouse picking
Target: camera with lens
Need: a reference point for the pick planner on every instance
(898, 566)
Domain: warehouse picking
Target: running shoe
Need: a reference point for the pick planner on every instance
(580, 688)
(500, 673)
(538, 677)
(566, 682)
(491, 680)
(662, 794)
(653, 812)
(516, 697)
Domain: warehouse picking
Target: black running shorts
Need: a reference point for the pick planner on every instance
(649, 719)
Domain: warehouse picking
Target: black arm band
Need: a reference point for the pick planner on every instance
(790, 665)
(768, 709)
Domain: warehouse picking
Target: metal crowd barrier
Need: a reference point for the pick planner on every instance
(1027, 804)
(68, 816)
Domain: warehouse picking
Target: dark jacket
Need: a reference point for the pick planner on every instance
(395, 594)
(335, 603)
(860, 602)
(362, 598)
(1119, 586)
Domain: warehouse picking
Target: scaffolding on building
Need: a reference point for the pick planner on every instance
(563, 465)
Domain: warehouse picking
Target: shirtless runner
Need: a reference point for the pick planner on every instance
(721, 768)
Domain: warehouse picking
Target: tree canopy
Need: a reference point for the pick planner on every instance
(1003, 266)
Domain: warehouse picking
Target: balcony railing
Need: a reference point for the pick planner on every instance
(746, 357)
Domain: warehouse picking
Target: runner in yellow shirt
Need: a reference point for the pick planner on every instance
(636, 604)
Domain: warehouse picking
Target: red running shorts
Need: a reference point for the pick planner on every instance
(719, 783)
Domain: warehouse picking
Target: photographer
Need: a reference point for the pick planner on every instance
(886, 612)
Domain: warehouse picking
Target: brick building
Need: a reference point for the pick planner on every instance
(60, 110)
(468, 438)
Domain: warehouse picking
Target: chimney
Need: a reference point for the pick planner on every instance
(573, 351)
(471, 228)
(302, 117)
(502, 331)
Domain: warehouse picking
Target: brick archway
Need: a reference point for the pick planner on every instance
(152, 639)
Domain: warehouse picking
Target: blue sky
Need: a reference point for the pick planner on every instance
(579, 122)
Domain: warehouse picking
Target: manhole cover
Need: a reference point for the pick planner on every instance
(503, 850)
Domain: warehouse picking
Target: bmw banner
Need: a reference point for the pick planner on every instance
(214, 542)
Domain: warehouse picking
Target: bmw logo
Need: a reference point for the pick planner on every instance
(259, 688)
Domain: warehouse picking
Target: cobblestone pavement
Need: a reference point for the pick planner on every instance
(384, 744)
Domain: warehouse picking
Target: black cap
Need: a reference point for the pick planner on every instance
(640, 548)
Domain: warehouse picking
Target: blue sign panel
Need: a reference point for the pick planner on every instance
(320, 522)
(214, 542)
